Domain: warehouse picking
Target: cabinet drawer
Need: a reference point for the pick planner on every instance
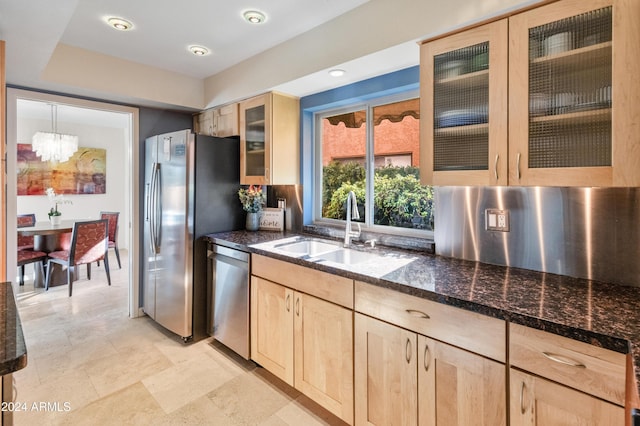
(329, 287)
(597, 371)
(468, 330)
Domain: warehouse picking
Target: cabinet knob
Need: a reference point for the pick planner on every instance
(288, 303)
(407, 350)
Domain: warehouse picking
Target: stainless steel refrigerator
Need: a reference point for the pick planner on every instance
(191, 184)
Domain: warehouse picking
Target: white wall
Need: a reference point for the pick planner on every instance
(85, 206)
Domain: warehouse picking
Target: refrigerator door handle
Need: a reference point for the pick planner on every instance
(147, 206)
(153, 209)
(158, 210)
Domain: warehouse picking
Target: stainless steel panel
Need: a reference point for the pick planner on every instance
(588, 233)
(231, 301)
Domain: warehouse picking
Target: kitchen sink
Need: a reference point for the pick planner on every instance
(373, 262)
(307, 247)
(345, 256)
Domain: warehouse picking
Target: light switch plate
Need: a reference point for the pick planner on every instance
(497, 220)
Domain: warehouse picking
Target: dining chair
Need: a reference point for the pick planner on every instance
(26, 254)
(112, 217)
(89, 243)
(25, 220)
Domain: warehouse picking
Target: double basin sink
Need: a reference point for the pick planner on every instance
(318, 251)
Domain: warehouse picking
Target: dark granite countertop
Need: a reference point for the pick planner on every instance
(13, 350)
(602, 314)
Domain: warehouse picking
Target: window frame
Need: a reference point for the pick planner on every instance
(368, 106)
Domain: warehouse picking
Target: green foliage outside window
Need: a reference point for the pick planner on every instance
(399, 198)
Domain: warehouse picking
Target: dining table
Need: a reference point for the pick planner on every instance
(47, 238)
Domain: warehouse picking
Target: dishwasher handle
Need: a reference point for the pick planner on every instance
(229, 252)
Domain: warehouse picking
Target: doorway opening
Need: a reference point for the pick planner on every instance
(99, 126)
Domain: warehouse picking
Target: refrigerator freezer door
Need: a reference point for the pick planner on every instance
(149, 267)
(173, 290)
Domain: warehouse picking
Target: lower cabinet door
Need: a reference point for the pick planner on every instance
(272, 327)
(324, 354)
(456, 387)
(386, 380)
(537, 401)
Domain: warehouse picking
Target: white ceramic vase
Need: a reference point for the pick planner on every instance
(55, 220)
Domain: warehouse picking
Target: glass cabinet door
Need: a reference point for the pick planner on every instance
(254, 144)
(254, 141)
(562, 95)
(464, 97)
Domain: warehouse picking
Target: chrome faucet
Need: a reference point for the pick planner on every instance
(352, 211)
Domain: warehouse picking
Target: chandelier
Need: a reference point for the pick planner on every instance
(54, 146)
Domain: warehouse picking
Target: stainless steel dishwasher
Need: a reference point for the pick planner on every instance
(230, 298)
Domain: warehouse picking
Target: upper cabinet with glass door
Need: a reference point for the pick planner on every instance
(573, 114)
(574, 117)
(270, 140)
(464, 103)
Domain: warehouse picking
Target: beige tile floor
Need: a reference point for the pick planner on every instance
(88, 363)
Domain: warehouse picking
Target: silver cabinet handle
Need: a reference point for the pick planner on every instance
(495, 166)
(266, 174)
(407, 349)
(518, 166)
(417, 313)
(298, 307)
(563, 360)
(522, 407)
(427, 357)
(288, 303)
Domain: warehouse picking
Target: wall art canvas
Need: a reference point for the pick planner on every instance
(84, 173)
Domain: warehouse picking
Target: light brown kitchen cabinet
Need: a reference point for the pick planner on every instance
(221, 122)
(226, 121)
(272, 327)
(386, 379)
(203, 123)
(323, 362)
(571, 116)
(426, 363)
(464, 103)
(536, 401)
(406, 378)
(302, 339)
(555, 380)
(458, 387)
(571, 60)
(270, 140)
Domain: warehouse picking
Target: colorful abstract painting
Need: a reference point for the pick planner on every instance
(84, 173)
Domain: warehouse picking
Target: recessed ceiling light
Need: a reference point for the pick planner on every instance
(337, 72)
(254, 17)
(198, 50)
(120, 24)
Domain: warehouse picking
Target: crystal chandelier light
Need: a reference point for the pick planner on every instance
(54, 146)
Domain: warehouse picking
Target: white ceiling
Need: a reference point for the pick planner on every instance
(365, 37)
(164, 29)
(162, 32)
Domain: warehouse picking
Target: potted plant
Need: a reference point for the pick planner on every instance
(252, 199)
(54, 213)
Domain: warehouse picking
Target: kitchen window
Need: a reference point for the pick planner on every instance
(373, 149)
